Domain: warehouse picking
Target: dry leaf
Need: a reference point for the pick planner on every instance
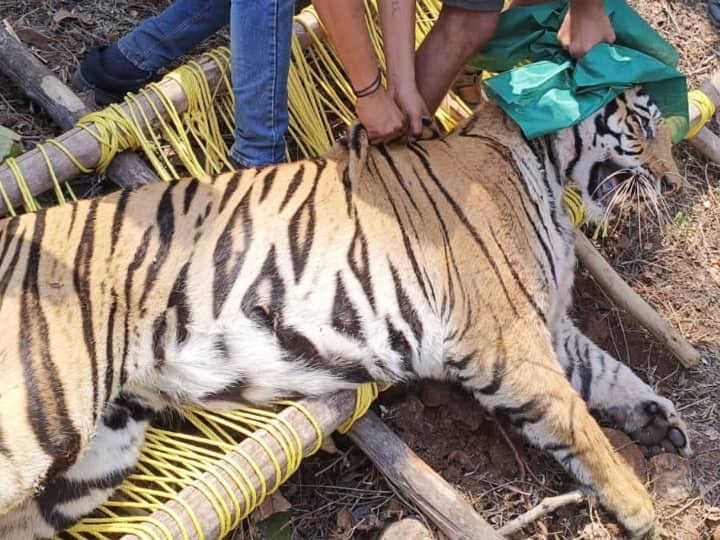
(32, 37)
(271, 505)
(64, 14)
(343, 520)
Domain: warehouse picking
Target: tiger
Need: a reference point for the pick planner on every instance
(448, 258)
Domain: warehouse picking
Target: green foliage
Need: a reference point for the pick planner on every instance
(9, 144)
(275, 527)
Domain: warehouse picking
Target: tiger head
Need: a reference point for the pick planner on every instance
(621, 153)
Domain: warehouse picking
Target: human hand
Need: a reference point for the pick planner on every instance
(410, 101)
(585, 25)
(381, 117)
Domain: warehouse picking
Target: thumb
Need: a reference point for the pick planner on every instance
(416, 125)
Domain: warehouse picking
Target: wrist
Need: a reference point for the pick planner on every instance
(374, 100)
(587, 6)
(370, 88)
(401, 76)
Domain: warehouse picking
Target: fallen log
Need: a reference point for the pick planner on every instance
(438, 500)
(64, 107)
(624, 296)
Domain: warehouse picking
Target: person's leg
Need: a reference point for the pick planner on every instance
(159, 40)
(132, 61)
(260, 34)
(714, 11)
(463, 28)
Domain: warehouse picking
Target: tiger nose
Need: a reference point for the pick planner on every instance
(666, 186)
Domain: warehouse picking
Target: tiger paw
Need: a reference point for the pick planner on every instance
(654, 425)
(632, 506)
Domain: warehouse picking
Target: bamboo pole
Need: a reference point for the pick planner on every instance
(707, 143)
(62, 104)
(437, 499)
(441, 502)
(329, 412)
(84, 146)
(711, 88)
(623, 295)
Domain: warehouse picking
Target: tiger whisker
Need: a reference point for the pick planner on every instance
(638, 212)
(619, 198)
(607, 179)
(656, 203)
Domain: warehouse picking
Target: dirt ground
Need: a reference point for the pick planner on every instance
(674, 263)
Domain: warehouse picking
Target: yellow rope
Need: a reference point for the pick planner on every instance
(172, 461)
(364, 397)
(29, 202)
(706, 107)
(574, 205)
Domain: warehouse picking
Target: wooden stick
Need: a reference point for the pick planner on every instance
(623, 295)
(85, 147)
(547, 505)
(329, 412)
(63, 105)
(305, 24)
(437, 499)
(707, 143)
(711, 88)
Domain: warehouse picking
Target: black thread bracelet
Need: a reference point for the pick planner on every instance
(371, 88)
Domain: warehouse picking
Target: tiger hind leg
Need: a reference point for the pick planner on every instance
(528, 388)
(612, 389)
(108, 460)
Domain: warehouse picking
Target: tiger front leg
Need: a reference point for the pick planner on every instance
(532, 393)
(612, 389)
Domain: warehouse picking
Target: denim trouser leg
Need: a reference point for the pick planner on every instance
(159, 40)
(261, 32)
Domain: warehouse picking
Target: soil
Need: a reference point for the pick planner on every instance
(672, 260)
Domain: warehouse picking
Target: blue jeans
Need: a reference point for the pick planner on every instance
(260, 33)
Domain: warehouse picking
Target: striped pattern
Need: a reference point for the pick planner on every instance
(449, 258)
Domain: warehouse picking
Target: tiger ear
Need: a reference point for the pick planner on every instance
(357, 144)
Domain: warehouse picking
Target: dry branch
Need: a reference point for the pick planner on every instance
(547, 505)
(623, 295)
(64, 107)
(437, 499)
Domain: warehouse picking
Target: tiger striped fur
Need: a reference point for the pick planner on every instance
(450, 258)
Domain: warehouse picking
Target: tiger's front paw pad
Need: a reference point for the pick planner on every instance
(655, 426)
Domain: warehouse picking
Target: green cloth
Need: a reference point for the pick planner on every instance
(554, 91)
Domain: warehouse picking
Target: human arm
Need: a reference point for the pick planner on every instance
(347, 29)
(585, 25)
(397, 20)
